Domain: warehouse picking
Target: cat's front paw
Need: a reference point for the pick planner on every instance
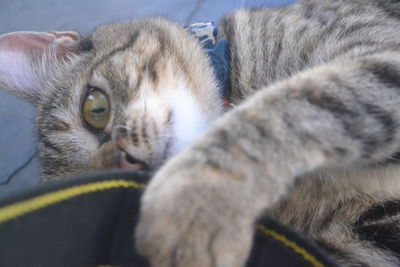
(190, 217)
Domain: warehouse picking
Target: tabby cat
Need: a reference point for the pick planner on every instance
(313, 141)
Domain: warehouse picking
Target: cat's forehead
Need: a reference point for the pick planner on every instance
(136, 46)
(122, 35)
(129, 54)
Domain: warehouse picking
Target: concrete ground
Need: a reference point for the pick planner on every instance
(18, 161)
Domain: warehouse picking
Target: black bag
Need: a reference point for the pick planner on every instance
(88, 221)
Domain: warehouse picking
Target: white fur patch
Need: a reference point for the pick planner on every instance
(188, 121)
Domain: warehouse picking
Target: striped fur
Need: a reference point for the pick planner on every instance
(314, 141)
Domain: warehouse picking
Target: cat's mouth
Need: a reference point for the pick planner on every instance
(126, 160)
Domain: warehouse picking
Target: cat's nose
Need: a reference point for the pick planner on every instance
(126, 161)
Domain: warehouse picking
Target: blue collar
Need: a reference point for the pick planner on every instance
(219, 52)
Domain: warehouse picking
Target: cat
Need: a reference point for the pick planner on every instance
(313, 141)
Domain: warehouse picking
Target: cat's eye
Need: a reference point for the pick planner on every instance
(96, 109)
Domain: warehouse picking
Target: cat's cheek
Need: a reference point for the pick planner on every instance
(104, 157)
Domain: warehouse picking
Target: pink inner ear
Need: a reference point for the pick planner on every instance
(38, 42)
(26, 56)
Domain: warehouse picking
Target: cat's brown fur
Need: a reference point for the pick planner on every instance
(313, 141)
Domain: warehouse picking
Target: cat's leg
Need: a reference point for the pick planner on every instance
(354, 215)
(351, 248)
(199, 210)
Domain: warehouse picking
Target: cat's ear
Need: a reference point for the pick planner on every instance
(26, 57)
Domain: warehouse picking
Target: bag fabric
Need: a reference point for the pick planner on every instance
(88, 221)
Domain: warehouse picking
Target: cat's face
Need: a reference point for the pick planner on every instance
(128, 95)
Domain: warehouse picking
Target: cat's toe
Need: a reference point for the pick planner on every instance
(181, 224)
(165, 242)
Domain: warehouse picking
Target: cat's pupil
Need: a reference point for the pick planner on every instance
(98, 110)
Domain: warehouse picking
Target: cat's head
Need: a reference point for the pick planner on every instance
(129, 94)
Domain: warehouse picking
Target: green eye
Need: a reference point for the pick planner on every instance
(96, 109)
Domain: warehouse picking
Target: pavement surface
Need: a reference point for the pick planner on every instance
(18, 161)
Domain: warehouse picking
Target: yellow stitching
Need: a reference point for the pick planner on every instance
(27, 206)
(304, 253)
(21, 208)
